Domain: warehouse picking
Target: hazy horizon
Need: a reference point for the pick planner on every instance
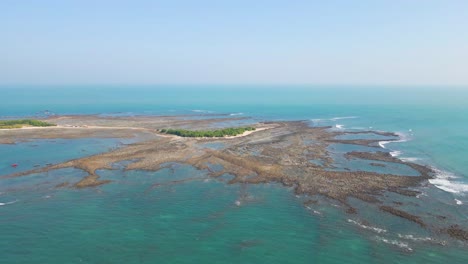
(305, 43)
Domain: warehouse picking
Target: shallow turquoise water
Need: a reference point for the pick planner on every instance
(38, 153)
(133, 220)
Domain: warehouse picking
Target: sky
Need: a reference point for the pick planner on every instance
(361, 42)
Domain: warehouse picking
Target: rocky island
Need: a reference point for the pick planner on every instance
(292, 153)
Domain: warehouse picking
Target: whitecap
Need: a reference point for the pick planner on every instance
(421, 194)
(402, 138)
(339, 126)
(314, 211)
(7, 203)
(444, 180)
(410, 159)
(395, 153)
(458, 202)
(397, 243)
(201, 111)
(413, 238)
(423, 239)
(342, 117)
(372, 228)
(383, 143)
(236, 114)
(238, 203)
(317, 120)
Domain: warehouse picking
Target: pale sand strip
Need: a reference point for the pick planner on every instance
(246, 133)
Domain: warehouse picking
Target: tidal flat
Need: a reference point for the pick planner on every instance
(291, 153)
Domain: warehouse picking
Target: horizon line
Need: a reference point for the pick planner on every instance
(3, 85)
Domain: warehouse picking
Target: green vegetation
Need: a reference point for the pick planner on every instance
(207, 133)
(6, 124)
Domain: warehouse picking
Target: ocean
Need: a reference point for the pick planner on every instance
(198, 221)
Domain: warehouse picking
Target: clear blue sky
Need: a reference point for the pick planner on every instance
(403, 42)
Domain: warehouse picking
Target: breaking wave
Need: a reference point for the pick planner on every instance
(413, 238)
(343, 117)
(7, 203)
(397, 243)
(372, 228)
(422, 239)
(402, 138)
(317, 120)
(201, 111)
(446, 181)
(410, 159)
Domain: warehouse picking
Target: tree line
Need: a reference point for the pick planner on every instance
(207, 133)
(23, 122)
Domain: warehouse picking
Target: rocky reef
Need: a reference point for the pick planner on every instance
(292, 153)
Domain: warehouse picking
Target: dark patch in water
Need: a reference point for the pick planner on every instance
(245, 244)
(457, 232)
(402, 214)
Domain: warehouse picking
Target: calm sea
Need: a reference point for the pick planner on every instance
(128, 221)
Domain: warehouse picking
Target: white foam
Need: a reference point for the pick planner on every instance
(316, 120)
(236, 114)
(314, 211)
(410, 159)
(317, 212)
(238, 203)
(397, 243)
(372, 228)
(446, 181)
(395, 153)
(423, 239)
(201, 111)
(421, 194)
(339, 126)
(383, 143)
(403, 138)
(342, 117)
(7, 203)
(458, 202)
(411, 237)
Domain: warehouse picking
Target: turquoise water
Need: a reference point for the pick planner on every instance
(38, 153)
(132, 220)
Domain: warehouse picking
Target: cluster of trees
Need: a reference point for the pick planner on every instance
(207, 133)
(23, 122)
